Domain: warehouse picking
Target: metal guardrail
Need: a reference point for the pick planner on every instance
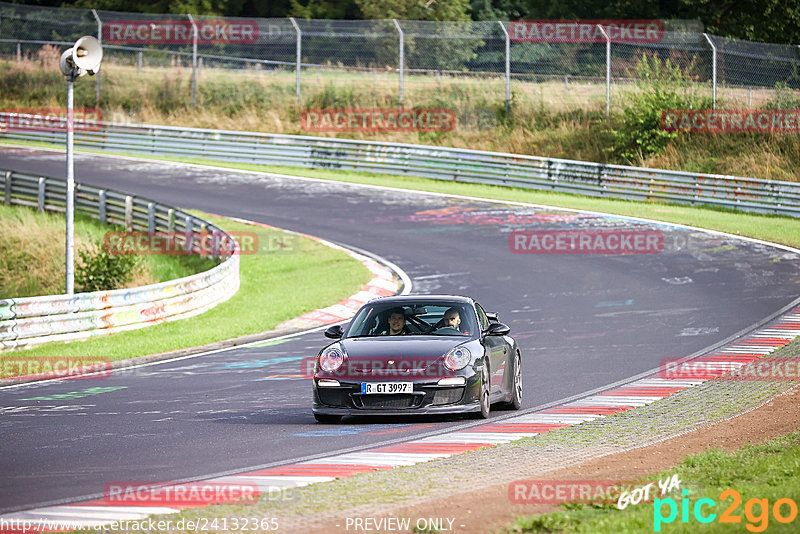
(34, 320)
(452, 164)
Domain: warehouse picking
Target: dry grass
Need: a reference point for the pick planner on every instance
(28, 256)
(32, 252)
(770, 157)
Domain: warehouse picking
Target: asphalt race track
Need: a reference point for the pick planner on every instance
(582, 321)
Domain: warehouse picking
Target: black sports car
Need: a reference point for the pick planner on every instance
(420, 354)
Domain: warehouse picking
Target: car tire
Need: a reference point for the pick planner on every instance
(516, 384)
(327, 418)
(485, 400)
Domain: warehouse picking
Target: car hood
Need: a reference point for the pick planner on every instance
(398, 357)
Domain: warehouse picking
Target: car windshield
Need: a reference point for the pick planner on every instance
(414, 318)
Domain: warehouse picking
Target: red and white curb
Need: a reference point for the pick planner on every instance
(776, 334)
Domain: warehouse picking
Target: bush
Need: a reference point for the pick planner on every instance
(785, 98)
(103, 271)
(639, 132)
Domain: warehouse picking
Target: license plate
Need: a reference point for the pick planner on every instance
(387, 387)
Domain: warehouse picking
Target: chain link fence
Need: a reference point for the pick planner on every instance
(403, 62)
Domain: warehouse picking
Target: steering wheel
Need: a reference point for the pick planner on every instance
(449, 331)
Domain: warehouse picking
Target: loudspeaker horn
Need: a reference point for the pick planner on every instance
(83, 58)
(87, 54)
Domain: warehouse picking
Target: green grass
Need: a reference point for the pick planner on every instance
(767, 471)
(274, 287)
(32, 253)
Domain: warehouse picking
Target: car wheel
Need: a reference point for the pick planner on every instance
(485, 392)
(516, 385)
(327, 418)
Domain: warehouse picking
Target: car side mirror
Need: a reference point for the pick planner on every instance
(498, 329)
(334, 332)
(493, 317)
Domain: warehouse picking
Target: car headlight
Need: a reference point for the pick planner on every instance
(331, 358)
(457, 358)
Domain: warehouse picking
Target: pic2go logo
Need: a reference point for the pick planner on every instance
(756, 511)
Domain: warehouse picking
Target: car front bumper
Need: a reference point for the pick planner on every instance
(427, 398)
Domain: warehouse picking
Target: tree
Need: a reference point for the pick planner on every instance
(427, 46)
(415, 9)
(323, 9)
(195, 7)
(776, 21)
(497, 9)
(772, 21)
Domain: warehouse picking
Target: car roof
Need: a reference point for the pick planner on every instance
(400, 299)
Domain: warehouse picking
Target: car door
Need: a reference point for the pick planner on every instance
(497, 349)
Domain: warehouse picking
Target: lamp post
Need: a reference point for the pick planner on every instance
(83, 58)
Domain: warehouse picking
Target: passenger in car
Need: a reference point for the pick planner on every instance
(452, 319)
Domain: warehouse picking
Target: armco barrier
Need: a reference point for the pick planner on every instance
(34, 320)
(453, 164)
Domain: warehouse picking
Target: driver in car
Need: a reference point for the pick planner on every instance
(397, 323)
